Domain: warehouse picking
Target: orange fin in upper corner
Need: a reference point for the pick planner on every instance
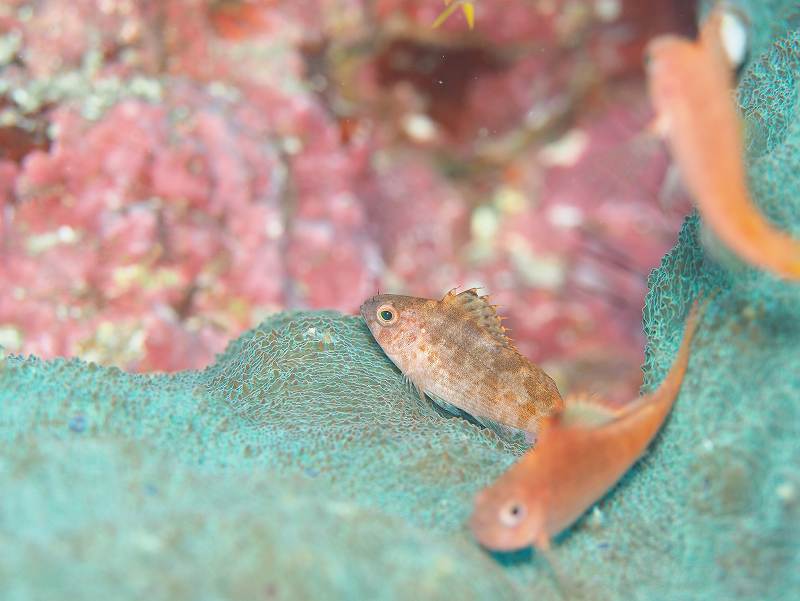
(484, 313)
(690, 85)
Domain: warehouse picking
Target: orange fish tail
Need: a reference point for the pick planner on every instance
(743, 229)
(668, 390)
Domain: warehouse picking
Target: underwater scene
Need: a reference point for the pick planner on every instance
(400, 299)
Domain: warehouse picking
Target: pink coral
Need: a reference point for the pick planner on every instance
(139, 211)
(595, 232)
(421, 224)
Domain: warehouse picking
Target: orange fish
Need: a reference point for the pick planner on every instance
(456, 351)
(581, 453)
(691, 87)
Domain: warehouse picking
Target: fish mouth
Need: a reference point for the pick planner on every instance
(481, 530)
(368, 306)
(479, 522)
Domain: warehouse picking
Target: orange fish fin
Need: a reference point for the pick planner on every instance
(542, 542)
(482, 311)
(588, 410)
(671, 384)
(560, 579)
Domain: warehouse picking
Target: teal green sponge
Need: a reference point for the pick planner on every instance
(299, 463)
(300, 466)
(123, 520)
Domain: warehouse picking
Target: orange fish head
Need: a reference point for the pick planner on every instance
(395, 320)
(508, 516)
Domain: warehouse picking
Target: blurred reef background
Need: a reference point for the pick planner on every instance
(174, 171)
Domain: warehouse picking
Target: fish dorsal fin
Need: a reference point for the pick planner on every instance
(588, 411)
(482, 311)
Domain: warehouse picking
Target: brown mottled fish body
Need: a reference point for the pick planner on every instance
(456, 351)
(580, 454)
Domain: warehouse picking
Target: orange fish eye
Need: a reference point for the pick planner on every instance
(386, 314)
(512, 513)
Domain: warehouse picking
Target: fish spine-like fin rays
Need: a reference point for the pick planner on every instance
(482, 311)
(414, 386)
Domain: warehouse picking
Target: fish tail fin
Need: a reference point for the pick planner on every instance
(591, 411)
(667, 391)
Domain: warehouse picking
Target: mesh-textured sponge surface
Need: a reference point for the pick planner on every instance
(314, 392)
(125, 521)
(300, 466)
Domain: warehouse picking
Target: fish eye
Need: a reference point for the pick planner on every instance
(511, 514)
(386, 314)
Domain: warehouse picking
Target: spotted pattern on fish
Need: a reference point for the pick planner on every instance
(456, 351)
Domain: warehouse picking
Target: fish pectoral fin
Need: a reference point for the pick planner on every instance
(448, 407)
(414, 386)
(508, 433)
(542, 542)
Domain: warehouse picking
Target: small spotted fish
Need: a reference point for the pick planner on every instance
(455, 350)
